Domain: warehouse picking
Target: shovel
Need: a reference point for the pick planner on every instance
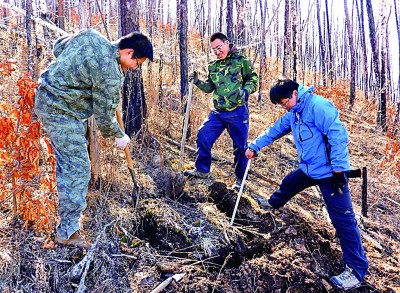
(176, 277)
(136, 187)
(240, 191)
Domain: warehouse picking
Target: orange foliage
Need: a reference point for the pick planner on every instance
(339, 94)
(391, 160)
(33, 190)
(7, 67)
(75, 17)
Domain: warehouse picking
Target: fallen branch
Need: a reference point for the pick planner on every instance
(371, 240)
(124, 255)
(391, 200)
(81, 268)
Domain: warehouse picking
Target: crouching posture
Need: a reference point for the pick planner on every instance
(321, 143)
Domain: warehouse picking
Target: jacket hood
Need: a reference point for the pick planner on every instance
(232, 49)
(60, 45)
(303, 94)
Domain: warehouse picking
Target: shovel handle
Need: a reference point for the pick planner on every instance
(240, 191)
(162, 286)
(127, 152)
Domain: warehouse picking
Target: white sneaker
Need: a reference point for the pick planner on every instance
(264, 204)
(346, 280)
(236, 185)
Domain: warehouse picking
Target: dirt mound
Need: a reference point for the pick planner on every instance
(183, 226)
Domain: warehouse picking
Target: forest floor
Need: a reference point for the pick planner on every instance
(171, 231)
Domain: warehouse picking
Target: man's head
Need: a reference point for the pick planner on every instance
(220, 45)
(134, 49)
(284, 92)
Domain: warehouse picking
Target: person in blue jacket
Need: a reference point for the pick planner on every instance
(321, 143)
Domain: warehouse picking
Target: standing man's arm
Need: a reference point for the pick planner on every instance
(106, 97)
(250, 77)
(280, 128)
(107, 81)
(206, 86)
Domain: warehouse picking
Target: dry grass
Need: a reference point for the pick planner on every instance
(189, 231)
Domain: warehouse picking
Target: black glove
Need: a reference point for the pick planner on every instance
(244, 95)
(339, 179)
(193, 76)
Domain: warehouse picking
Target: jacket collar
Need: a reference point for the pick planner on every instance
(304, 95)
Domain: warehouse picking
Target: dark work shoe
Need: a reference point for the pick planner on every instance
(264, 203)
(195, 174)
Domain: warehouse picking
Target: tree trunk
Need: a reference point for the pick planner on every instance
(183, 47)
(330, 58)
(183, 55)
(229, 21)
(134, 106)
(240, 28)
(294, 38)
(263, 11)
(372, 39)
(360, 13)
(321, 44)
(286, 39)
(60, 15)
(375, 63)
(221, 15)
(28, 25)
(209, 28)
(352, 56)
(396, 10)
(383, 92)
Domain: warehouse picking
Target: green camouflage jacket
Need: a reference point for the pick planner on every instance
(227, 77)
(84, 80)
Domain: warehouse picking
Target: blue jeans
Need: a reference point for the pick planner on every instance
(340, 211)
(236, 122)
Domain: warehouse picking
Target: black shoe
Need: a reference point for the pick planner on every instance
(196, 174)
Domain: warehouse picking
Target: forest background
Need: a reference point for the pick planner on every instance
(348, 49)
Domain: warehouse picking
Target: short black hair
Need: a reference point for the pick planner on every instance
(218, 35)
(140, 44)
(282, 89)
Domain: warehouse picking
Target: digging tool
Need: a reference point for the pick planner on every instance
(185, 124)
(351, 174)
(163, 285)
(240, 191)
(136, 187)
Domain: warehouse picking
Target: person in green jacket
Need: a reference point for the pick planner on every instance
(84, 80)
(231, 78)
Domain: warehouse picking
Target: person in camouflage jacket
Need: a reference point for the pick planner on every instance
(84, 80)
(231, 78)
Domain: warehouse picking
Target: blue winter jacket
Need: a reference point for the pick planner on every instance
(320, 137)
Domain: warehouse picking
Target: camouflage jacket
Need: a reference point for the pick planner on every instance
(227, 77)
(84, 80)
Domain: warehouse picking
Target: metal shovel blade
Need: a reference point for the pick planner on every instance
(136, 188)
(178, 277)
(163, 285)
